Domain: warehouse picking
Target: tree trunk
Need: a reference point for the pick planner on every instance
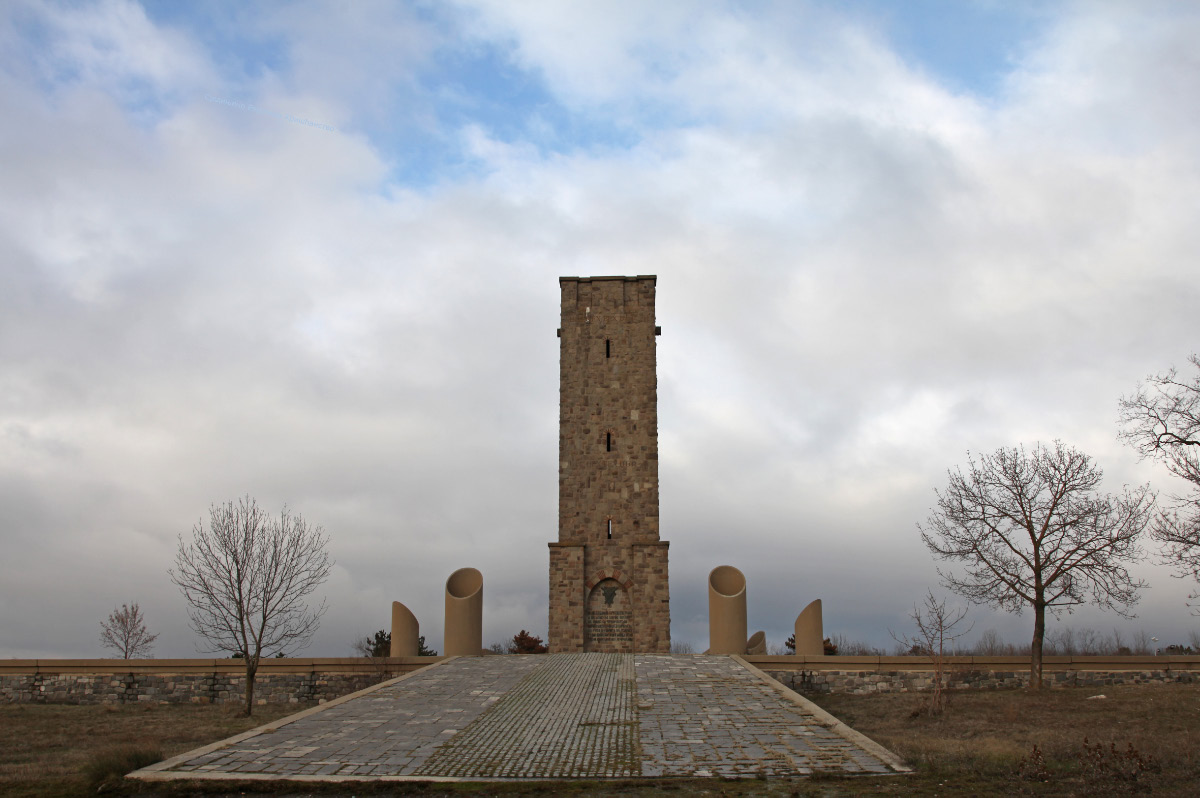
(1035, 649)
(251, 670)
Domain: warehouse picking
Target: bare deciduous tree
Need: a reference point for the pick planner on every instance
(1162, 422)
(125, 631)
(990, 644)
(1030, 529)
(246, 577)
(840, 644)
(937, 629)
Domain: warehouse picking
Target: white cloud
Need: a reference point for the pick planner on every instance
(108, 46)
(861, 276)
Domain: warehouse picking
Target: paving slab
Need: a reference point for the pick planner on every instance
(549, 716)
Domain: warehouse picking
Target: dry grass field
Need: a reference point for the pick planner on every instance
(1135, 740)
(1140, 740)
(62, 750)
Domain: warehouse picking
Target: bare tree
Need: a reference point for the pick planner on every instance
(840, 644)
(125, 631)
(937, 629)
(990, 644)
(245, 578)
(1030, 529)
(1162, 422)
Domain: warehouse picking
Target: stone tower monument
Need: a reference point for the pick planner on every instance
(608, 569)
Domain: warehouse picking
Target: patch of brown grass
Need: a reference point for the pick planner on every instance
(60, 750)
(106, 769)
(993, 735)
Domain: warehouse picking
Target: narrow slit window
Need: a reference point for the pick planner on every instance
(610, 529)
(608, 441)
(608, 347)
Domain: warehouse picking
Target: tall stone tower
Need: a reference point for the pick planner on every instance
(608, 569)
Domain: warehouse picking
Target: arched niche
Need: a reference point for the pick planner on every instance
(608, 618)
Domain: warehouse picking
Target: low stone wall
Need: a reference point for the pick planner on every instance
(195, 681)
(862, 675)
(302, 681)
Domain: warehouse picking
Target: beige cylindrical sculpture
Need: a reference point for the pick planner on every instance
(464, 613)
(757, 644)
(726, 611)
(405, 631)
(810, 635)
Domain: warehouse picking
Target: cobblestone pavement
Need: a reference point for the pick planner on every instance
(712, 716)
(551, 716)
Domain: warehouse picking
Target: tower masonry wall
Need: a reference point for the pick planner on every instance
(567, 597)
(608, 525)
(608, 411)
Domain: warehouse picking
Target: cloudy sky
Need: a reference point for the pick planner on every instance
(310, 252)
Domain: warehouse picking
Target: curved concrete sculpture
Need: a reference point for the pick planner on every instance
(405, 631)
(757, 644)
(464, 613)
(726, 611)
(810, 636)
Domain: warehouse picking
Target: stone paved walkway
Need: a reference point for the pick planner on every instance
(550, 716)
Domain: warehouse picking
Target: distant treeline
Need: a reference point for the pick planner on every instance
(1065, 641)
